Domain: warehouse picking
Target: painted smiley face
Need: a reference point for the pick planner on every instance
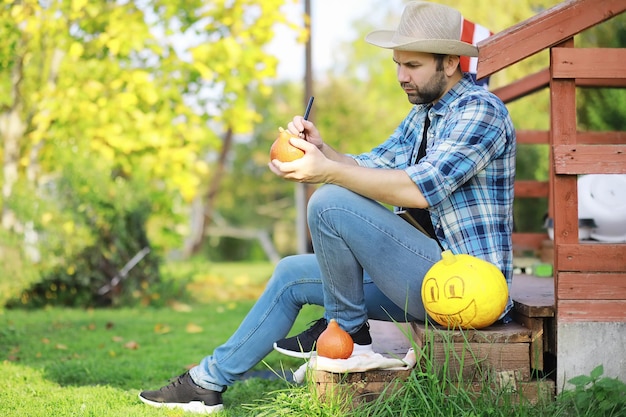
(448, 305)
(464, 291)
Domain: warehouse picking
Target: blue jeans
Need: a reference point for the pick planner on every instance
(368, 264)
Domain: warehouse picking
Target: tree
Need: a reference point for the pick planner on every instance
(143, 90)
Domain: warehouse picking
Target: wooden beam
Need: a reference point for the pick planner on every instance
(533, 137)
(601, 138)
(592, 286)
(524, 86)
(591, 257)
(570, 311)
(563, 201)
(540, 80)
(528, 240)
(601, 82)
(543, 31)
(583, 63)
(541, 137)
(589, 159)
(531, 189)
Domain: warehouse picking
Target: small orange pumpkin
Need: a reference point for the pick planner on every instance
(283, 150)
(334, 342)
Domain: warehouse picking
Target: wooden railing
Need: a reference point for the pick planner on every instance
(590, 278)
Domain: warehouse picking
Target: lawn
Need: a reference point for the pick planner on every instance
(77, 362)
(69, 362)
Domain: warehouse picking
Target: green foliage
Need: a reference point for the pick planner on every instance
(17, 270)
(295, 401)
(603, 109)
(94, 227)
(139, 93)
(597, 396)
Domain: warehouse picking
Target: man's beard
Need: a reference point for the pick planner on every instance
(431, 91)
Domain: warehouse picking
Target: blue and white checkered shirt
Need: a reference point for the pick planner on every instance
(468, 172)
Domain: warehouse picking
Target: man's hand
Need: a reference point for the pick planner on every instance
(306, 130)
(311, 168)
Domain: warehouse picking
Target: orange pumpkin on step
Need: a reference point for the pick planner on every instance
(334, 342)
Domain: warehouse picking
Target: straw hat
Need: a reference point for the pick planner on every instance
(426, 27)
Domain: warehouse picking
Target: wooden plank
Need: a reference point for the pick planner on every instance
(537, 338)
(533, 296)
(356, 388)
(531, 189)
(583, 63)
(532, 137)
(600, 138)
(540, 137)
(534, 392)
(590, 159)
(563, 202)
(538, 81)
(533, 241)
(592, 286)
(475, 361)
(524, 86)
(601, 82)
(497, 333)
(591, 310)
(591, 257)
(542, 31)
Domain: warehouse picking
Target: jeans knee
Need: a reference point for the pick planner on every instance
(284, 270)
(296, 280)
(327, 196)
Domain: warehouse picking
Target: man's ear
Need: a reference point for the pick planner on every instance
(451, 64)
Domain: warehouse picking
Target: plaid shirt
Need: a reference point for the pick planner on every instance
(467, 174)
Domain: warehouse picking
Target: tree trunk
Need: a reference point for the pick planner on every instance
(12, 128)
(204, 209)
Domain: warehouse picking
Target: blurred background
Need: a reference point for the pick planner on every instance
(135, 134)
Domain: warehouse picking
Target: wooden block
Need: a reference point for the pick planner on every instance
(474, 355)
(537, 343)
(534, 392)
(498, 333)
(356, 388)
(547, 251)
(533, 296)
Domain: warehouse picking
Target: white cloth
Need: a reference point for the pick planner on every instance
(361, 362)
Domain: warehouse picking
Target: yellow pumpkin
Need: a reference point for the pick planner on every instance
(464, 291)
(334, 342)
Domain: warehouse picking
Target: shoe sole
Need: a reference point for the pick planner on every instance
(293, 354)
(192, 407)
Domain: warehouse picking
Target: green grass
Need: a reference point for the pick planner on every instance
(72, 362)
(75, 362)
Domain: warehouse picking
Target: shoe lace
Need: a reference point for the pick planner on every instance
(176, 382)
(316, 326)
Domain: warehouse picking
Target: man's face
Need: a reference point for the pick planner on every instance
(419, 76)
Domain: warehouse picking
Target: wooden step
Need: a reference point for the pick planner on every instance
(356, 388)
(507, 353)
(500, 351)
(533, 299)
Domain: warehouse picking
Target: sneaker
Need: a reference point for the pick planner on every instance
(303, 345)
(362, 340)
(185, 394)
